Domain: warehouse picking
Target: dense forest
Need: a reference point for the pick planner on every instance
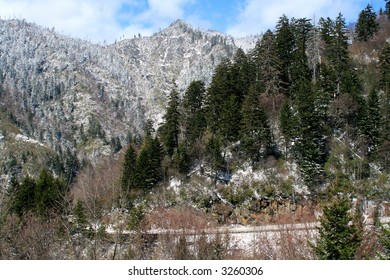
(297, 126)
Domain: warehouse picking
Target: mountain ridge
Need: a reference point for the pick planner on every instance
(70, 94)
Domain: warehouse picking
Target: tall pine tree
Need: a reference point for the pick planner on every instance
(285, 47)
(267, 68)
(128, 170)
(170, 130)
(255, 131)
(384, 141)
(193, 112)
(367, 24)
(339, 238)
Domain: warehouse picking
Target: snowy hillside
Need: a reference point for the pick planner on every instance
(71, 94)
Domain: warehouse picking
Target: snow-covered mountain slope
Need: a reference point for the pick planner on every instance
(69, 93)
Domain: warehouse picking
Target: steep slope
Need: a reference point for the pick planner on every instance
(71, 95)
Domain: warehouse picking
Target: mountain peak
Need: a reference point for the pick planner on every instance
(180, 25)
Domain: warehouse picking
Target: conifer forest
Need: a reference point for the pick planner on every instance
(184, 145)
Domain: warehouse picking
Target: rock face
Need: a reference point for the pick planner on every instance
(69, 94)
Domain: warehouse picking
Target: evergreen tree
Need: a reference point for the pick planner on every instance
(300, 69)
(372, 123)
(285, 47)
(241, 73)
(170, 130)
(128, 170)
(230, 119)
(42, 196)
(384, 141)
(223, 103)
(310, 147)
(182, 159)
(288, 124)
(80, 218)
(214, 156)
(385, 240)
(314, 52)
(218, 91)
(255, 131)
(336, 59)
(339, 238)
(267, 67)
(367, 24)
(193, 113)
(148, 168)
(387, 8)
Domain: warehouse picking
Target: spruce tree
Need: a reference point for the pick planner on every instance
(387, 8)
(170, 130)
(285, 47)
(336, 61)
(385, 241)
(42, 196)
(373, 120)
(128, 170)
(217, 93)
(267, 68)
(214, 156)
(241, 73)
(223, 103)
(339, 238)
(148, 170)
(384, 138)
(255, 131)
(288, 124)
(299, 68)
(310, 147)
(367, 24)
(193, 113)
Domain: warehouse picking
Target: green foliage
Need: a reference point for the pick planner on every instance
(387, 8)
(310, 146)
(214, 155)
(223, 103)
(80, 218)
(267, 70)
(285, 47)
(142, 170)
(95, 129)
(384, 134)
(288, 122)
(367, 24)
(385, 241)
(300, 68)
(128, 170)
(115, 144)
(148, 168)
(136, 216)
(372, 124)
(255, 131)
(42, 196)
(182, 160)
(193, 113)
(171, 128)
(339, 238)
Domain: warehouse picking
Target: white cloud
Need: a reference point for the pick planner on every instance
(96, 20)
(87, 19)
(260, 15)
(162, 13)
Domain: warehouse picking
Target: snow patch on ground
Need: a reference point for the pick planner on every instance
(247, 175)
(175, 184)
(23, 138)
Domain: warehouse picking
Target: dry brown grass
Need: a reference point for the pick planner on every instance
(183, 217)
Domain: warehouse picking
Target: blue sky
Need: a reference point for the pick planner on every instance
(110, 20)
